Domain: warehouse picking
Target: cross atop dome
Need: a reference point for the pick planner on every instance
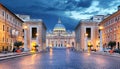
(59, 21)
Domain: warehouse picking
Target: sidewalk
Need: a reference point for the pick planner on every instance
(107, 54)
(102, 53)
(4, 56)
(12, 55)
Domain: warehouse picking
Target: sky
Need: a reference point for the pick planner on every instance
(69, 11)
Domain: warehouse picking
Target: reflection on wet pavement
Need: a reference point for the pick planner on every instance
(61, 59)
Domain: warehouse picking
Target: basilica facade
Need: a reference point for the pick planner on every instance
(59, 37)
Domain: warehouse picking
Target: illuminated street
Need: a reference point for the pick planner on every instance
(61, 59)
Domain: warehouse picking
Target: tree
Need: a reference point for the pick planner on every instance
(18, 44)
(112, 44)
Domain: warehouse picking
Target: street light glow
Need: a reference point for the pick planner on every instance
(86, 34)
(37, 34)
(25, 27)
(100, 27)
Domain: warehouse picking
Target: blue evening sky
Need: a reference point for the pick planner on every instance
(70, 11)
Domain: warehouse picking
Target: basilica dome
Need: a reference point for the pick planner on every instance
(59, 26)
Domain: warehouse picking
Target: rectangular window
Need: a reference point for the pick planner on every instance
(34, 32)
(3, 13)
(10, 18)
(7, 16)
(88, 31)
(7, 39)
(23, 30)
(7, 29)
(3, 27)
(3, 39)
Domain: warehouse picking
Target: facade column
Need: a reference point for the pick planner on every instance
(50, 43)
(46, 42)
(54, 43)
(86, 41)
(25, 40)
(57, 43)
(37, 40)
(60, 43)
(101, 45)
(63, 43)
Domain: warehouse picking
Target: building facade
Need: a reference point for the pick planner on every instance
(111, 29)
(87, 35)
(98, 18)
(34, 34)
(10, 29)
(23, 17)
(59, 37)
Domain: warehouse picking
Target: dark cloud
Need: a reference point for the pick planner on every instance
(51, 10)
(84, 3)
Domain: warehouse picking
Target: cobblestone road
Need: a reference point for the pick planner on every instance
(61, 59)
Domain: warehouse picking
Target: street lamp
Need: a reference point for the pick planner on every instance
(89, 47)
(100, 32)
(37, 34)
(25, 38)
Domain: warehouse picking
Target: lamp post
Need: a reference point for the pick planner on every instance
(86, 41)
(25, 38)
(100, 32)
(89, 47)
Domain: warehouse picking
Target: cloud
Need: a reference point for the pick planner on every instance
(98, 7)
(93, 8)
(73, 10)
(84, 3)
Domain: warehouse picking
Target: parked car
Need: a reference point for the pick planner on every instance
(117, 51)
(107, 50)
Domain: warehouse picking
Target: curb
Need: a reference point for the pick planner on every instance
(102, 53)
(19, 55)
(107, 54)
(13, 56)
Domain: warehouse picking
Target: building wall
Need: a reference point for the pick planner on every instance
(77, 37)
(111, 29)
(65, 40)
(10, 29)
(40, 39)
(82, 40)
(43, 37)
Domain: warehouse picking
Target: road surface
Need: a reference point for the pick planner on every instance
(61, 59)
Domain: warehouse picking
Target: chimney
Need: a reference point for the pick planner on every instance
(119, 8)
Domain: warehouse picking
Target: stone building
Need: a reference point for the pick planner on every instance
(34, 34)
(59, 37)
(87, 34)
(10, 29)
(111, 29)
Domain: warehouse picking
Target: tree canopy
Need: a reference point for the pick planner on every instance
(18, 43)
(112, 44)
